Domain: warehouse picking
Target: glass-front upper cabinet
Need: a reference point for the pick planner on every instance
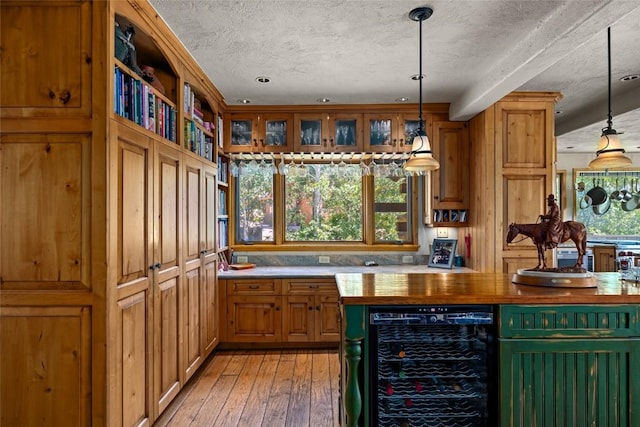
(389, 133)
(258, 133)
(328, 132)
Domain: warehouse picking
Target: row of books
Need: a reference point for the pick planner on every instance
(193, 107)
(197, 141)
(223, 169)
(223, 236)
(222, 202)
(136, 101)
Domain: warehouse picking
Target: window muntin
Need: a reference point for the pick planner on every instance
(391, 209)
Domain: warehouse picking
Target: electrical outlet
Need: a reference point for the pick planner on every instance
(443, 232)
(407, 259)
(242, 258)
(323, 259)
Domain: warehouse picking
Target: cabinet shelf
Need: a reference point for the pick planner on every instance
(140, 103)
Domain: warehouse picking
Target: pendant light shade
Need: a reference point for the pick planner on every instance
(421, 158)
(610, 153)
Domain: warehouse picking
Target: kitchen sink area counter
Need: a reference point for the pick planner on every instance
(330, 271)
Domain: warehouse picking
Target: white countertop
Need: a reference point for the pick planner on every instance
(330, 271)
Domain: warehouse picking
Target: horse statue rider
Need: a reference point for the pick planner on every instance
(552, 221)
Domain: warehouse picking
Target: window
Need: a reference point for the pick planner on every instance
(254, 202)
(309, 202)
(612, 217)
(323, 203)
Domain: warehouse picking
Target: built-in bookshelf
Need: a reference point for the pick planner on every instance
(139, 102)
(450, 217)
(199, 124)
(223, 204)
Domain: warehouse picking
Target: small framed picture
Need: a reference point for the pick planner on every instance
(442, 253)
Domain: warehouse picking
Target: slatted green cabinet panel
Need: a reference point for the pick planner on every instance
(566, 321)
(569, 366)
(570, 383)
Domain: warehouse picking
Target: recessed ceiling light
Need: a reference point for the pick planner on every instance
(559, 112)
(570, 147)
(417, 76)
(629, 77)
(402, 99)
(263, 79)
(323, 100)
(243, 101)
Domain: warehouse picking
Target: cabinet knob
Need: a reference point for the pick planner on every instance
(401, 142)
(255, 142)
(310, 308)
(155, 266)
(262, 142)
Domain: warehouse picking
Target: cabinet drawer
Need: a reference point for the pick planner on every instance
(309, 286)
(568, 321)
(253, 287)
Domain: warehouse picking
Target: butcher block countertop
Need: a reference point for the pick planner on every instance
(475, 288)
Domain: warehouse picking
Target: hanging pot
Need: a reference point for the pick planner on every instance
(625, 194)
(615, 193)
(603, 207)
(598, 195)
(585, 202)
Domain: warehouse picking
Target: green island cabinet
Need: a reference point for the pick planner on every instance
(569, 365)
(560, 365)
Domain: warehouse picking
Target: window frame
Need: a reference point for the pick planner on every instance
(368, 243)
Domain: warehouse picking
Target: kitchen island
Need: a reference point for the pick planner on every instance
(565, 356)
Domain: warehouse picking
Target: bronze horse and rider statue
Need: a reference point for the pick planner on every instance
(551, 231)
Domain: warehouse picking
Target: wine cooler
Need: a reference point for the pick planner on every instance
(433, 366)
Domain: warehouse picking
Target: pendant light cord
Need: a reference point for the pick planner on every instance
(420, 77)
(609, 120)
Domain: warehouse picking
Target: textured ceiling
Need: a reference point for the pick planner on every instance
(474, 53)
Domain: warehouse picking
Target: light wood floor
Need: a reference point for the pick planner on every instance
(271, 388)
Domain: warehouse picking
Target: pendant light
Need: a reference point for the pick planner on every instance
(421, 159)
(610, 153)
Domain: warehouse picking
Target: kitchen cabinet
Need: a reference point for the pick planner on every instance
(569, 365)
(311, 311)
(282, 310)
(513, 153)
(389, 132)
(253, 308)
(258, 132)
(604, 258)
(120, 297)
(450, 183)
(328, 132)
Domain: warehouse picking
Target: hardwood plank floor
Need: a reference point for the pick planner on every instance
(254, 388)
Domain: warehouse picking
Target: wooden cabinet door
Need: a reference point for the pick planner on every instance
(168, 192)
(381, 133)
(450, 183)
(346, 132)
(209, 290)
(569, 382)
(298, 318)
(240, 133)
(41, 81)
(311, 133)
(275, 133)
(254, 318)
(604, 258)
(132, 331)
(327, 318)
(191, 302)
